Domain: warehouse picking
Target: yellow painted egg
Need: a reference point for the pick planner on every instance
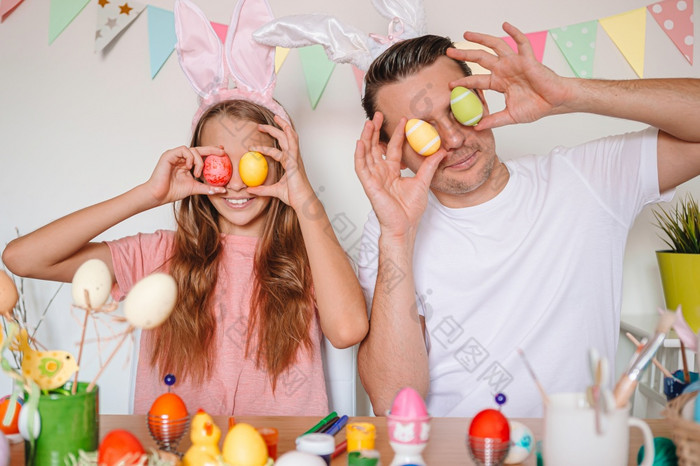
(151, 301)
(8, 294)
(422, 137)
(94, 277)
(466, 106)
(253, 168)
(244, 446)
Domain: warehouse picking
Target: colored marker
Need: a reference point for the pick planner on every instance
(328, 425)
(338, 426)
(340, 449)
(321, 423)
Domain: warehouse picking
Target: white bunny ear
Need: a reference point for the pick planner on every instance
(410, 12)
(252, 65)
(342, 43)
(199, 49)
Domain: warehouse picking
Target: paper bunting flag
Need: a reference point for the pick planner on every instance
(113, 16)
(280, 56)
(161, 37)
(676, 19)
(628, 32)
(7, 7)
(537, 40)
(221, 30)
(61, 13)
(577, 44)
(317, 71)
(359, 77)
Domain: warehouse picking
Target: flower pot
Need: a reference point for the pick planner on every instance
(680, 278)
(69, 423)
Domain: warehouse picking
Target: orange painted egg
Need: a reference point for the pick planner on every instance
(170, 405)
(422, 137)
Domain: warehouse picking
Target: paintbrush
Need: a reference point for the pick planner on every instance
(656, 362)
(543, 394)
(628, 381)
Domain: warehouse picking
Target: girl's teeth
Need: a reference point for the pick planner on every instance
(237, 201)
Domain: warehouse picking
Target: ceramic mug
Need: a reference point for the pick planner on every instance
(570, 436)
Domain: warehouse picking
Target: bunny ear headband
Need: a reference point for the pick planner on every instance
(208, 64)
(343, 43)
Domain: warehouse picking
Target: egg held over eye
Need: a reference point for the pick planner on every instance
(217, 170)
(422, 137)
(253, 168)
(466, 106)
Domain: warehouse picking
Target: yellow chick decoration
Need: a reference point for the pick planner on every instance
(205, 435)
(49, 369)
(244, 446)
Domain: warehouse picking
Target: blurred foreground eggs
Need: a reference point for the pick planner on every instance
(244, 446)
(94, 277)
(522, 441)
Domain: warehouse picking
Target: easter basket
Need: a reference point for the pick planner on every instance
(685, 432)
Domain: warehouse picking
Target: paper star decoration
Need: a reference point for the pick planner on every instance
(112, 19)
(124, 9)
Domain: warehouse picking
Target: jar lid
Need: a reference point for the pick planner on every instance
(318, 444)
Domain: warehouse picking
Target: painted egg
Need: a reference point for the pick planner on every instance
(169, 405)
(253, 168)
(422, 137)
(408, 404)
(8, 294)
(120, 448)
(244, 446)
(150, 301)
(522, 442)
(299, 458)
(466, 106)
(217, 170)
(490, 423)
(94, 276)
(23, 422)
(12, 427)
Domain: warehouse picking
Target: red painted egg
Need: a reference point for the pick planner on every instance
(217, 170)
(120, 447)
(490, 423)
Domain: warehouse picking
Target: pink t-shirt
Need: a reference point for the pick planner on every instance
(236, 386)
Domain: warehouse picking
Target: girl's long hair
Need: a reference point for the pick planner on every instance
(281, 307)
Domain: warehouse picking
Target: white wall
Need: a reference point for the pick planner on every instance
(78, 127)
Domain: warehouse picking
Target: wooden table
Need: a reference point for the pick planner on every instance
(446, 446)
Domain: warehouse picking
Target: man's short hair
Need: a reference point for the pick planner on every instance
(401, 60)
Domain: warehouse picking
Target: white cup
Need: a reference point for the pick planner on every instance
(571, 438)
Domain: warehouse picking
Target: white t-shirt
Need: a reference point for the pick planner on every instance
(538, 267)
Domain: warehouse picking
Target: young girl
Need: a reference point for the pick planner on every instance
(258, 269)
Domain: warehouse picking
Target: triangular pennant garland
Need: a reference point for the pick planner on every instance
(280, 56)
(628, 32)
(161, 37)
(317, 71)
(577, 44)
(359, 77)
(61, 13)
(7, 7)
(676, 19)
(537, 40)
(113, 16)
(221, 30)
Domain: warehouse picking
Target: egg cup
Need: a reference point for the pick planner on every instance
(488, 451)
(167, 432)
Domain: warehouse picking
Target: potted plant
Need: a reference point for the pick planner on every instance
(680, 266)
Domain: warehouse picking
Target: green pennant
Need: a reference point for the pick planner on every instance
(577, 44)
(61, 13)
(317, 71)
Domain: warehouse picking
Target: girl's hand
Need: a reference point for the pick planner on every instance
(293, 188)
(531, 90)
(398, 202)
(174, 177)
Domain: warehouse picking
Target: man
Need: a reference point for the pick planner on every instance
(473, 257)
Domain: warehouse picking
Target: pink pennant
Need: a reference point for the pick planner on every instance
(7, 7)
(676, 19)
(359, 77)
(220, 30)
(537, 40)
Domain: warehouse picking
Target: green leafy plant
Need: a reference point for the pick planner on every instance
(681, 225)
